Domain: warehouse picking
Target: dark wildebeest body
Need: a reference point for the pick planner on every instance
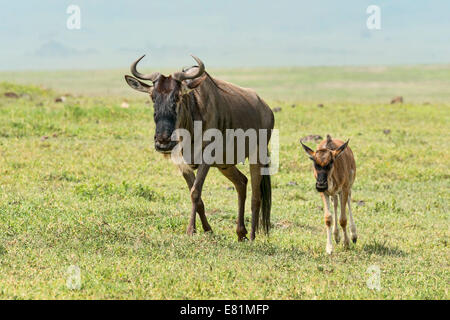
(193, 95)
(234, 108)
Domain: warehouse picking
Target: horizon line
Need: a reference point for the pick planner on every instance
(445, 64)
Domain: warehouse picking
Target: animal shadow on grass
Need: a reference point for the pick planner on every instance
(382, 249)
(262, 249)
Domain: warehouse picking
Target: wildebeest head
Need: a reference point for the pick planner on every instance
(167, 96)
(323, 159)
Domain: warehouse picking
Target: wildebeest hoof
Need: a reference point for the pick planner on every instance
(241, 233)
(242, 239)
(354, 239)
(337, 237)
(346, 243)
(190, 231)
(329, 249)
(208, 231)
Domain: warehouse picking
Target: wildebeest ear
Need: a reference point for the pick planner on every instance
(308, 151)
(340, 150)
(138, 85)
(194, 83)
(189, 85)
(185, 89)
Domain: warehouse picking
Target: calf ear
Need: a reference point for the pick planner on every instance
(308, 151)
(340, 150)
(138, 85)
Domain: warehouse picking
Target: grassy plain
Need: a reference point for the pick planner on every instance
(82, 185)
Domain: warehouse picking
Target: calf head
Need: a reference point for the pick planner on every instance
(323, 159)
(167, 96)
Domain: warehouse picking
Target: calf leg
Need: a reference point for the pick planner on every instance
(240, 183)
(190, 179)
(328, 221)
(335, 226)
(353, 234)
(196, 195)
(255, 172)
(343, 197)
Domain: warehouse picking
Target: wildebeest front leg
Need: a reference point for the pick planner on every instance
(190, 179)
(328, 221)
(196, 195)
(240, 183)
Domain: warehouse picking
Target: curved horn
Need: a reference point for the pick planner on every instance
(135, 73)
(185, 75)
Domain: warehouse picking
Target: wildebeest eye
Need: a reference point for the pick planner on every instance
(326, 168)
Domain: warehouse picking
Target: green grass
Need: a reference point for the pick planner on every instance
(417, 84)
(82, 185)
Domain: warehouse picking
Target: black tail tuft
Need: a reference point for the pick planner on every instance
(266, 203)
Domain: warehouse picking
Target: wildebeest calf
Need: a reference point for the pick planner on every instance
(334, 170)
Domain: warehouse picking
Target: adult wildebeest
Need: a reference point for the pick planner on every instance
(192, 95)
(334, 170)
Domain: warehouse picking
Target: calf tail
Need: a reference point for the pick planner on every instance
(266, 202)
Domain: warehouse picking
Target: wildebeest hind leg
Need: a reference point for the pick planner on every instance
(343, 198)
(255, 172)
(200, 207)
(240, 183)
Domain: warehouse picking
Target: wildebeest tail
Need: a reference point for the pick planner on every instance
(266, 202)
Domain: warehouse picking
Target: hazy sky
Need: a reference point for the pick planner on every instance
(222, 33)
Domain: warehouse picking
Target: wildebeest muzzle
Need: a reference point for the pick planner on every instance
(164, 130)
(322, 182)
